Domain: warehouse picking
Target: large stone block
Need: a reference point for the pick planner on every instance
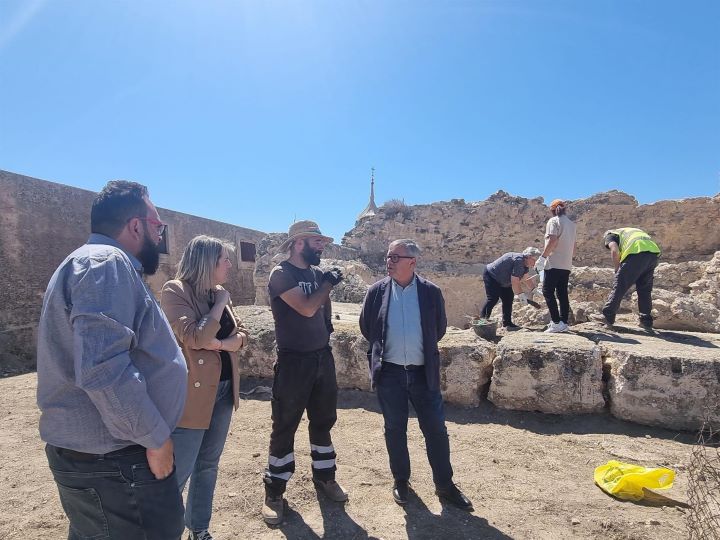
(466, 360)
(257, 359)
(465, 366)
(671, 379)
(350, 352)
(552, 373)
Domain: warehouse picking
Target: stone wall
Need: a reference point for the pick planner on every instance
(41, 222)
(459, 237)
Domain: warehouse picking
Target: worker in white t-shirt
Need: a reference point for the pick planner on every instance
(556, 261)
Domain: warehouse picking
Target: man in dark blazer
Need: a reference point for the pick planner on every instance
(403, 318)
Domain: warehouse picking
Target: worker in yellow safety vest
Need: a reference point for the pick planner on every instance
(635, 256)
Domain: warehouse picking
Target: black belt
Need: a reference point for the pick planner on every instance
(406, 367)
(310, 354)
(83, 456)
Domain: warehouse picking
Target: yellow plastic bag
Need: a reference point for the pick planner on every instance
(626, 481)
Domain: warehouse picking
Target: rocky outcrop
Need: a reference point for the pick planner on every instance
(679, 276)
(458, 238)
(456, 235)
(560, 373)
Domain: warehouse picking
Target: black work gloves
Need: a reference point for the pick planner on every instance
(334, 276)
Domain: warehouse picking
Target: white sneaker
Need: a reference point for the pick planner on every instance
(563, 326)
(554, 328)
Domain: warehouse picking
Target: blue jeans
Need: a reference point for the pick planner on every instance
(115, 496)
(395, 388)
(197, 453)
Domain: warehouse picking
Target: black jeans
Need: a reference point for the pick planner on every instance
(304, 381)
(556, 282)
(639, 270)
(395, 388)
(494, 292)
(115, 496)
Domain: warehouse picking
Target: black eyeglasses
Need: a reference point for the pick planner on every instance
(159, 225)
(396, 258)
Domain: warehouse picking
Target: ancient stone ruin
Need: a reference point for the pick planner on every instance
(669, 379)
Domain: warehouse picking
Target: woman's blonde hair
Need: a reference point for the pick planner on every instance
(198, 262)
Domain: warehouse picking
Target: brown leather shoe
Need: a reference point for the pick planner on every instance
(332, 490)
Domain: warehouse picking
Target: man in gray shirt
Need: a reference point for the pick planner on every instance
(111, 378)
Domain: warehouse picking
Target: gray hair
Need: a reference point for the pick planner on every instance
(531, 252)
(198, 262)
(411, 247)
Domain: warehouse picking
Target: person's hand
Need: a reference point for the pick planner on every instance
(214, 345)
(522, 298)
(540, 263)
(235, 343)
(161, 459)
(333, 276)
(222, 297)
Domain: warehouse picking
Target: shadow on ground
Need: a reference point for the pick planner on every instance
(487, 413)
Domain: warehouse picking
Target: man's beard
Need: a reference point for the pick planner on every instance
(149, 256)
(310, 256)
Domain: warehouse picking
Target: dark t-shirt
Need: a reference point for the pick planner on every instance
(227, 325)
(509, 265)
(292, 330)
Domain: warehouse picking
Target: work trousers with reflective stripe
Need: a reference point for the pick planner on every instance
(304, 381)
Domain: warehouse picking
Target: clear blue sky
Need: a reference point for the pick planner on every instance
(257, 112)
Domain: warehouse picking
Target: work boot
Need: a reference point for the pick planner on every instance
(332, 490)
(273, 509)
(454, 496)
(401, 492)
(609, 318)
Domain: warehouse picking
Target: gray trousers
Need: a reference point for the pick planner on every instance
(637, 269)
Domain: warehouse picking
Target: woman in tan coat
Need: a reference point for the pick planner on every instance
(200, 313)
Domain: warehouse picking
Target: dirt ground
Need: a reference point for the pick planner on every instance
(528, 474)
